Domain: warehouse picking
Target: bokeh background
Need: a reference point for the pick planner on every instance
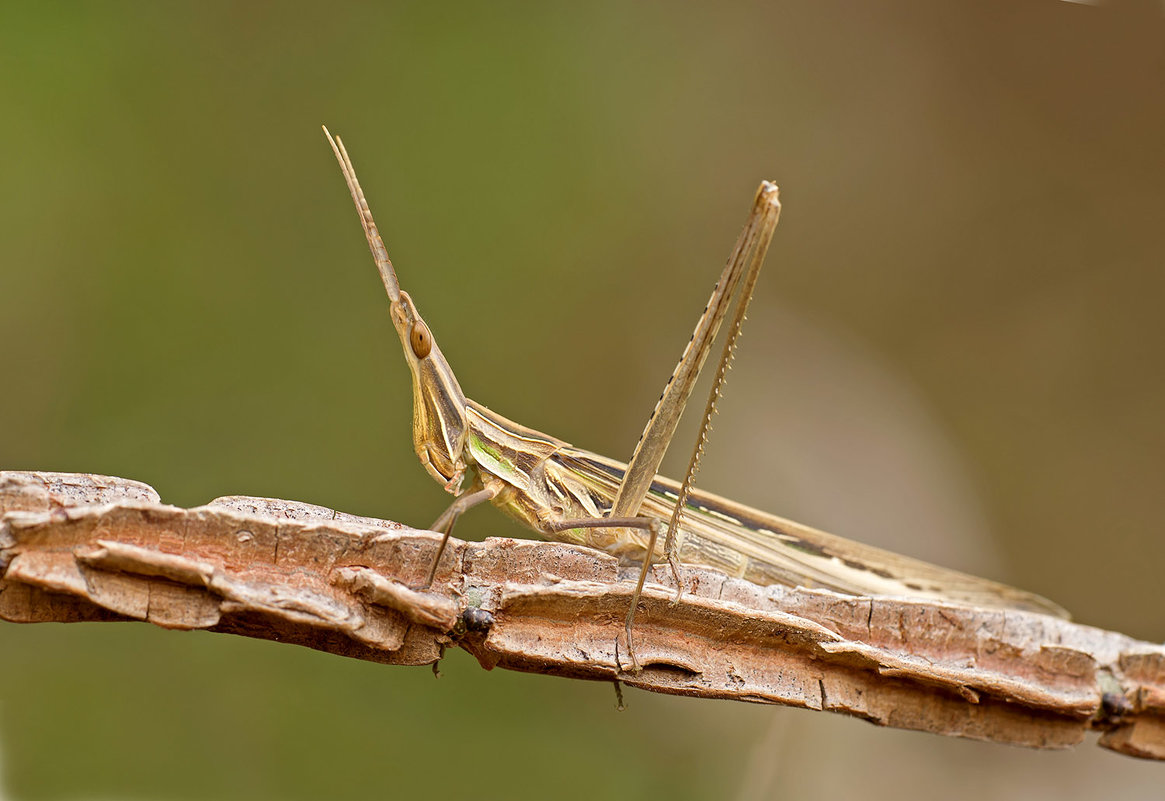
(956, 350)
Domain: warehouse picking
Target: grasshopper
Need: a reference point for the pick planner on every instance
(571, 495)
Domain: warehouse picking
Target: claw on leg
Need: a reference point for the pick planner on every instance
(648, 554)
(653, 525)
(444, 524)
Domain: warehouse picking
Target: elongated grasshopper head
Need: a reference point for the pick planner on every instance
(439, 424)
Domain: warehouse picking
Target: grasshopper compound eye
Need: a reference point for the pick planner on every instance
(420, 340)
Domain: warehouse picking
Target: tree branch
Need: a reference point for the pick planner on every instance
(77, 547)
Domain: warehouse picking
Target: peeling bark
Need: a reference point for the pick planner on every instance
(78, 547)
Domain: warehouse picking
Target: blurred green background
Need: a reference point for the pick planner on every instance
(956, 350)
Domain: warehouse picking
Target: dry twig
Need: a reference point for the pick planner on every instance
(77, 547)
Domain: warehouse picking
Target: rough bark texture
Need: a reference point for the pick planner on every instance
(77, 547)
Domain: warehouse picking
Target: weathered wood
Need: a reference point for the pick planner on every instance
(77, 547)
